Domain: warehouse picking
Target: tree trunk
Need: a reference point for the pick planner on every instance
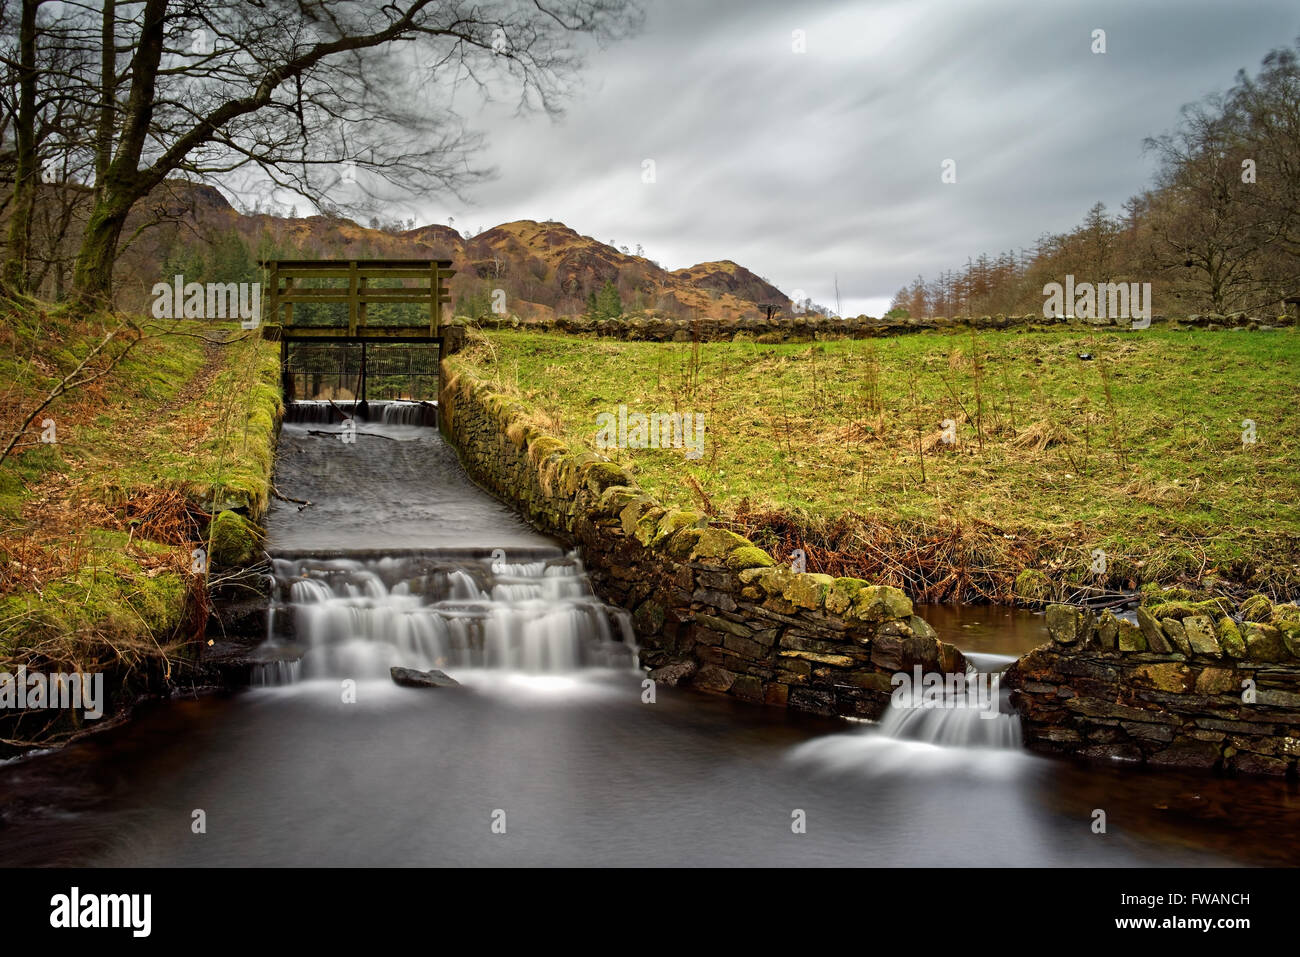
(107, 95)
(120, 183)
(93, 274)
(26, 171)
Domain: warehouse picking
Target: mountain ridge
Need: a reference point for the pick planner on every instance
(546, 268)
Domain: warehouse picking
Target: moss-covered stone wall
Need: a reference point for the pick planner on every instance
(710, 608)
(1191, 684)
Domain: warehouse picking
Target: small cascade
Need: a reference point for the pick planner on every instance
(278, 672)
(357, 618)
(315, 412)
(406, 413)
(964, 711)
(388, 412)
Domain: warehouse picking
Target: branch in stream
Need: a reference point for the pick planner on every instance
(300, 502)
(375, 435)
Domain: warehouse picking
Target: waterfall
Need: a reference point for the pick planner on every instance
(934, 725)
(357, 618)
(964, 711)
(406, 413)
(387, 412)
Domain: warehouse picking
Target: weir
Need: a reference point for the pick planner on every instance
(359, 328)
(973, 713)
(348, 618)
(383, 567)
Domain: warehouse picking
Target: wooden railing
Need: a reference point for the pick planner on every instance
(424, 282)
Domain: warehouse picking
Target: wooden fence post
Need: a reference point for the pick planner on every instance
(354, 289)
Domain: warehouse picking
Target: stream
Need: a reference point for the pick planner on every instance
(547, 753)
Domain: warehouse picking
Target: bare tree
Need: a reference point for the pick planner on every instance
(1199, 217)
(1269, 111)
(338, 101)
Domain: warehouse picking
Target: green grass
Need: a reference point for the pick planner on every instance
(96, 530)
(1137, 452)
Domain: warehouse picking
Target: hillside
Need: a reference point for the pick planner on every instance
(165, 447)
(546, 268)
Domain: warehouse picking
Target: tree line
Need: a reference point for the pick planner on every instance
(1217, 232)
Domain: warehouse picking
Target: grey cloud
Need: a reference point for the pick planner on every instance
(802, 167)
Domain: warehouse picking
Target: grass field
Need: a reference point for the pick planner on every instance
(97, 527)
(839, 448)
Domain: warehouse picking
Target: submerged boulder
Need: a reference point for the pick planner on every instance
(411, 678)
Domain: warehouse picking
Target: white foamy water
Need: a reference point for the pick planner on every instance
(356, 618)
(972, 730)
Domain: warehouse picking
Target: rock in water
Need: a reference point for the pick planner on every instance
(433, 678)
(673, 673)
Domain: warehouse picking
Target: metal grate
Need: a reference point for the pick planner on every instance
(361, 370)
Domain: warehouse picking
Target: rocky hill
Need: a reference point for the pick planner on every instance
(546, 268)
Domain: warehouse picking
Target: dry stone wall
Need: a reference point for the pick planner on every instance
(710, 608)
(802, 328)
(1189, 685)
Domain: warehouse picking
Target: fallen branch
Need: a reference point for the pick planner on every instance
(70, 382)
(374, 435)
(300, 502)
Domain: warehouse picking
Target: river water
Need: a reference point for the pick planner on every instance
(549, 753)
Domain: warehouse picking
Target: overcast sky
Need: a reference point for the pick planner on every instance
(805, 166)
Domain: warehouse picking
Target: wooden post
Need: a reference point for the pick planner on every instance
(434, 295)
(286, 383)
(353, 304)
(271, 304)
(363, 285)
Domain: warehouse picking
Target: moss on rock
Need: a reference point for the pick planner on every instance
(1257, 607)
(603, 475)
(616, 498)
(842, 595)
(807, 589)
(682, 543)
(647, 525)
(749, 556)
(1230, 640)
(1264, 642)
(670, 523)
(1290, 631)
(881, 603)
(718, 543)
(1033, 587)
(232, 540)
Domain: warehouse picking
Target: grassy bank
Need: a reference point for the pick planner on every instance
(98, 527)
(1063, 443)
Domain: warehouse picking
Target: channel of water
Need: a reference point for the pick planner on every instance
(402, 561)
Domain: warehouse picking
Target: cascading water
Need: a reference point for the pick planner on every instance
(357, 618)
(392, 565)
(970, 713)
(935, 724)
(384, 557)
(384, 412)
